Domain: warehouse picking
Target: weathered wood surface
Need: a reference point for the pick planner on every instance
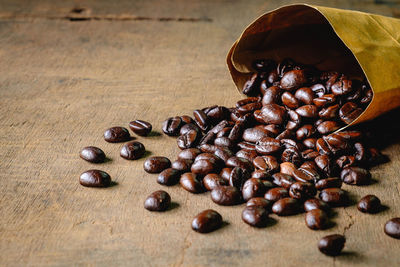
(63, 82)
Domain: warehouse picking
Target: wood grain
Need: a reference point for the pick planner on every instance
(63, 82)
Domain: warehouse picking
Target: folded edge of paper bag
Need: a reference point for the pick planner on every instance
(373, 40)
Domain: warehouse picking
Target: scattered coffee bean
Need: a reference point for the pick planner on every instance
(314, 203)
(191, 183)
(331, 245)
(226, 195)
(190, 153)
(139, 127)
(156, 164)
(355, 176)
(369, 204)
(392, 228)
(92, 154)
(182, 165)
(335, 197)
(253, 188)
(95, 178)
(256, 216)
(207, 221)
(168, 176)
(302, 190)
(132, 150)
(116, 135)
(286, 207)
(316, 219)
(157, 201)
(172, 125)
(212, 180)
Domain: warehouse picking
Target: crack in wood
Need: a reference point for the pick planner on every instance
(350, 224)
(186, 245)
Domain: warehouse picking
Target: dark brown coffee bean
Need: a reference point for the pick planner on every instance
(335, 197)
(293, 79)
(314, 203)
(274, 194)
(324, 100)
(267, 146)
(322, 147)
(157, 201)
(328, 127)
(305, 131)
(291, 154)
(318, 89)
(224, 142)
(342, 87)
(367, 96)
(355, 176)
(253, 188)
(226, 195)
(207, 221)
(226, 173)
(331, 245)
(213, 180)
(249, 108)
(305, 95)
(283, 180)
(345, 161)
(255, 216)
(286, 207)
(132, 150)
(316, 219)
(360, 153)
(350, 135)
(302, 191)
(168, 177)
(307, 111)
(273, 128)
(188, 127)
(171, 126)
(116, 135)
(92, 154)
(187, 119)
(238, 177)
(250, 155)
(261, 174)
(208, 156)
(236, 132)
(369, 204)
(252, 86)
(307, 175)
(271, 95)
(332, 182)
(240, 162)
(336, 143)
(207, 148)
(349, 112)
(260, 202)
(289, 100)
(201, 120)
(286, 65)
(254, 134)
(224, 132)
(392, 228)
(287, 168)
(286, 134)
(139, 127)
(190, 153)
(246, 145)
(156, 164)
(310, 142)
(273, 113)
(246, 101)
(191, 183)
(188, 140)
(204, 166)
(223, 153)
(325, 164)
(309, 154)
(182, 165)
(217, 114)
(267, 163)
(95, 178)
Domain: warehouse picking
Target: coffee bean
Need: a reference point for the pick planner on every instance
(191, 183)
(307, 111)
(260, 202)
(349, 112)
(254, 134)
(314, 203)
(249, 155)
(226, 195)
(271, 95)
(253, 188)
(261, 174)
(332, 182)
(267, 146)
(188, 140)
(329, 113)
(187, 119)
(207, 221)
(291, 154)
(157, 201)
(305, 131)
(306, 175)
(249, 108)
(369, 204)
(324, 100)
(286, 207)
(238, 177)
(172, 125)
(274, 194)
(224, 142)
(246, 145)
(217, 114)
(92, 154)
(328, 127)
(310, 143)
(345, 161)
(255, 216)
(267, 163)
(318, 89)
(182, 165)
(392, 228)
(325, 164)
(95, 178)
(190, 153)
(305, 95)
(201, 120)
(342, 87)
(240, 162)
(189, 127)
(204, 166)
(273, 113)
(139, 127)
(283, 180)
(287, 168)
(289, 100)
(224, 132)
(331, 245)
(355, 176)
(168, 176)
(316, 219)
(293, 79)
(226, 173)
(302, 191)
(212, 180)
(360, 153)
(252, 86)
(116, 135)
(132, 150)
(335, 197)
(156, 164)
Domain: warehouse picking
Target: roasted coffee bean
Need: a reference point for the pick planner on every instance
(307, 175)
(316, 219)
(253, 188)
(240, 162)
(287, 168)
(238, 177)
(255, 216)
(224, 132)
(286, 207)
(252, 86)
(325, 164)
(182, 165)
(208, 156)
(252, 135)
(92, 154)
(336, 143)
(309, 154)
(349, 112)
(350, 135)
(171, 126)
(156, 164)
(258, 116)
(355, 176)
(132, 150)
(246, 101)
(332, 182)
(223, 153)
(310, 142)
(95, 178)
(314, 203)
(307, 111)
(328, 127)
(335, 197)
(139, 127)
(286, 134)
(283, 180)
(267, 163)
(305, 95)
(274, 194)
(392, 228)
(309, 165)
(369, 204)
(204, 166)
(187, 119)
(236, 132)
(213, 180)
(331, 245)
(291, 154)
(191, 183)
(226, 195)
(267, 146)
(345, 161)
(342, 87)
(273, 113)
(207, 221)
(305, 131)
(248, 108)
(261, 174)
(285, 65)
(207, 148)
(188, 140)
(273, 128)
(217, 114)
(318, 89)
(250, 155)
(116, 135)
(157, 201)
(226, 173)
(201, 120)
(224, 142)
(329, 113)
(190, 153)
(360, 153)
(188, 127)
(330, 78)
(302, 191)
(246, 145)
(271, 95)
(367, 97)
(324, 100)
(259, 202)
(289, 100)
(293, 79)
(169, 176)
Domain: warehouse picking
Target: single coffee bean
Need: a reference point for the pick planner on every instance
(328, 127)
(95, 178)
(217, 114)
(286, 207)
(246, 145)
(252, 85)
(201, 119)
(325, 164)
(266, 163)
(187, 119)
(392, 228)
(305, 95)
(182, 165)
(309, 154)
(342, 87)
(260, 202)
(139, 127)
(238, 177)
(248, 108)
(283, 180)
(302, 191)
(203, 167)
(226, 173)
(318, 89)
(92, 154)
(307, 111)
(293, 79)
(224, 142)
(171, 126)
(316, 219)
(190, 183)
(310, 142)
(332, 182)
(190, 153)
(291, 154)
(253, 188)
(324, 100)
(188, 127)
(212, 180)
(345, 161)
(224, 132)
(306, 131)
(271, 95)
(289, 100)
(329, 113)
(116, 135)
(349, 112)
(132, 150)
(336, 143)
(261, 174)
(273, 113)
(188, 140)
(369, 204)
(355, 176)
(360, 153)
(254, 134)
(255, 216)
(331, 245)
(306, 175)
(226, 195)
(314, 203)
(267, 146)
(207, 221)
(156, 164)
(240, 162)
(250, 155)
(274, 194)
(335, 197)
(157, 201)
(169, 176)
(287, 168)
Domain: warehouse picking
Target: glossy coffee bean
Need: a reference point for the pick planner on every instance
(201, 119)
(92, 154)
(324, 100)
(305, 95)
(261, 174)
(249, 155)
(191, 183)
(188, 127)
(271, 95)
(132, 150)
(95, 178)
(316, 219)
(335, 197)
(190, 153)
(342, 87)
(139, 127)
(255, 216)
(314, 203)
(226, 195)
(369, 204)
(332, 245)
(327, 127)
(226, 173)
(329, 113)
(169, 176)
(273, 113)
(238, 177)
(289, 100)
(188, 139)
(116, 135)
(171, 126)
(392, 228)
(332, 182)
(305, 131)
(266, 163)
(157, 201)
(302, 191)
(207, 221)
(260, 202)
(253, 188)
(349, 112)
(182, 165)
(212, 180)
(186, 119)
(240, 162)
(325, 164)
(307, 111)
(283, 180)
(355, 176)
(254, 134)
(274, 194)
(203, 167)
(286, 207)
(293, 79)
(156, 164)
(268, 146)
(287, 168)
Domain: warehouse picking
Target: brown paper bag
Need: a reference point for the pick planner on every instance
(351, 42)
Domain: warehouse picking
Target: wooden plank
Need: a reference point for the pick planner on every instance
(63, 83)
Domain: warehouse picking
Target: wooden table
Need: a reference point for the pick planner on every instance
(69, 70)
